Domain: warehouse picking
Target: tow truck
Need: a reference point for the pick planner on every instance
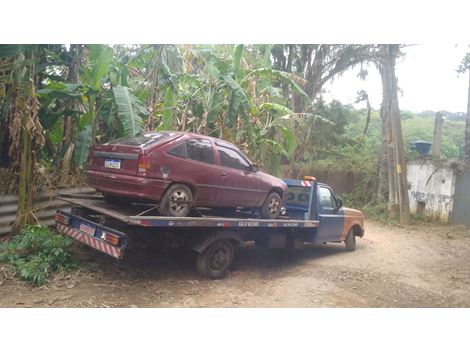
(313, 214)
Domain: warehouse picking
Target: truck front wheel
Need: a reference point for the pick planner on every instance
(216, 259)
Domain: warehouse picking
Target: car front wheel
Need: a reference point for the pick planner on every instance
(272, 206)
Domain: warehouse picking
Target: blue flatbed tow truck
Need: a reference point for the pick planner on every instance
(314, 214)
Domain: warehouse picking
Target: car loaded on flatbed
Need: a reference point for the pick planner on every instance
(313, 215)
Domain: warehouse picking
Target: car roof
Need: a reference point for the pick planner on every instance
(216, 140)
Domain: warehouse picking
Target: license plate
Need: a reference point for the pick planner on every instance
(112, 163)
(87, 229)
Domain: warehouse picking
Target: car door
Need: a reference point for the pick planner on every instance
(194, 163)
(239, 186)
(331, 218)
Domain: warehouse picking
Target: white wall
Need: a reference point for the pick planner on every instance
(432, 183)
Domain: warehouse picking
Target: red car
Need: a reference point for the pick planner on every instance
(181, 171)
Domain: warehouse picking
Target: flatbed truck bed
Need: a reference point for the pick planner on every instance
(109, 227)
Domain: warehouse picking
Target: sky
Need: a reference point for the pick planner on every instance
(427, 79)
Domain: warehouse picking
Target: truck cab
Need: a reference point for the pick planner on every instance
(309, 199)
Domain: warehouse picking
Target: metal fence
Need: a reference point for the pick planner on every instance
(45, 206)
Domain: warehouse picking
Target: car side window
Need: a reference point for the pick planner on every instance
(200, 150)
(231, 158)
(327, 200)
(179, 150)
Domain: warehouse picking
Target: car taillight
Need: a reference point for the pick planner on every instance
(143, 164)
(111, 238)
(61, 218)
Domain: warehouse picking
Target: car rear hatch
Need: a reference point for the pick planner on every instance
(122, 156)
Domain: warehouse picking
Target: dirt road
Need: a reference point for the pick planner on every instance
(416, 266)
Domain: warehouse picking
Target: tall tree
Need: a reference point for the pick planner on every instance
(26, 133)
(398, 185)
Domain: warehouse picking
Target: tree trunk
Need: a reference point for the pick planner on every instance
(69, 124)
(31, 134)
(154, 89)
(382, 191)
(397, 138)
(467, 128)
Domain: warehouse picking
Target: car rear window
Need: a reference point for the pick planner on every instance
(145, 139)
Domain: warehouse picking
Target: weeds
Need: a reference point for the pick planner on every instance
(36, 252)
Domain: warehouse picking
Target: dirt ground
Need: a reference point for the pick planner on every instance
(415, 266)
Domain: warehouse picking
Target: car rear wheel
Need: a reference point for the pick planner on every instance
(272, 206)
(177, 201)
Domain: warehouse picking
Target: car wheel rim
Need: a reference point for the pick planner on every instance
(273, 206)
(178, 201)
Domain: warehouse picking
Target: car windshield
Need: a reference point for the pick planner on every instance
(146, 139)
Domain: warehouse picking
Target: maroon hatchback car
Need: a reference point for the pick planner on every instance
(180, 171)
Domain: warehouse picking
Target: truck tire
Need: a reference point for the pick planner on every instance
(215, 260)
(272, 206)
(177, 201)
(350, 241)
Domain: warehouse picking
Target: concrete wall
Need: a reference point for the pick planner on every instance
(431, 185)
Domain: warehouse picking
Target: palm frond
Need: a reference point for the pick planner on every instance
(129, 109)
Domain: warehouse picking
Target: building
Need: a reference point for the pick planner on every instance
(439, 190)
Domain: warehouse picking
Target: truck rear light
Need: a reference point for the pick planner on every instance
(61, 218)
(143, 164)
(111, 238)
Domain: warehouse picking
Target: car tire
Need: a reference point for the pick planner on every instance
(350, 241)
(177, 201)
(272, 206)
(215, 260)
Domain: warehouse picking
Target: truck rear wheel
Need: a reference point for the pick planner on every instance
(216, 259)
(350, 241)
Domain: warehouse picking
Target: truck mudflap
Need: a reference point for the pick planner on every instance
(99, 237)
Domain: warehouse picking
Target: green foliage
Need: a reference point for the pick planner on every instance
(422, 128)
(130, 110)
(83, 145)
(36, 252)
(379, 212)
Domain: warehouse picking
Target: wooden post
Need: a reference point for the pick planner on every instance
(436, 141)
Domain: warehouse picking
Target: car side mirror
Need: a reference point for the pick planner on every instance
(339, 203)
(254, 168)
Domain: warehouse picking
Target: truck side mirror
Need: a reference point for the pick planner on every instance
(254, 168)
(339, 203)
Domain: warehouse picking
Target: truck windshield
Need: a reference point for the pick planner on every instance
(298, 195)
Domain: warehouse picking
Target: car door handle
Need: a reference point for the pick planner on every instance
(223, 174)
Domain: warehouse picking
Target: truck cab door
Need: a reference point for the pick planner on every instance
(330, 216)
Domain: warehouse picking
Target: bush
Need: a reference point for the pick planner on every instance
(36, 252)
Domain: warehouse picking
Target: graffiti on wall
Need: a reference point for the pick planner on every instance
(430, 198)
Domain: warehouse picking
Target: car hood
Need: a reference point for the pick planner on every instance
(352, 212)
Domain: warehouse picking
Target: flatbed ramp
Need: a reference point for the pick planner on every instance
(133, 214)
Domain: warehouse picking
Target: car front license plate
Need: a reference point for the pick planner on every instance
(112, 163)
(87, 229)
